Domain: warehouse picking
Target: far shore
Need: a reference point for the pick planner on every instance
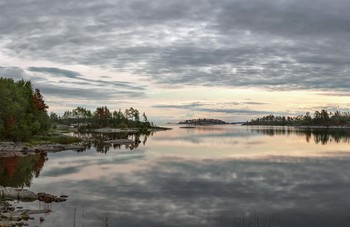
(306, 126)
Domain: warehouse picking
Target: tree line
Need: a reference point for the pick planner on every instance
(23, 112)
(319, 118)
(203, 121)
(84, 119)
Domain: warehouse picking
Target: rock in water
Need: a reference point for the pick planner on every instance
(17, 193)
(47, 198)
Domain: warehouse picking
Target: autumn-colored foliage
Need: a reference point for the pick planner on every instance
(19, 171)
(11, 166)
(38, 101)
(23, 112)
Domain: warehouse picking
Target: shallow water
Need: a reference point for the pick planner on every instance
(205, 176)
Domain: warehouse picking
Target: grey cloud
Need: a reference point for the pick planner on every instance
(255, 103)
(55, 71)
(81, 79)
(87, 93)
(281, 45)
(287, 17)
(87, 90)
(246, 103)
(181, 106)
(235, 111)
(199, 107)
(12, 72)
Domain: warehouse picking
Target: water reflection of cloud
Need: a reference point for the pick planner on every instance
(61, 171)
(167, 193)
(85, 167)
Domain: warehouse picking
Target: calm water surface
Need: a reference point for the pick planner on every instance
(205, 176)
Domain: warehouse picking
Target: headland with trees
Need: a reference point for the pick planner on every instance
(319, 118)
(24, 116)
(23, 112)
(85, 120)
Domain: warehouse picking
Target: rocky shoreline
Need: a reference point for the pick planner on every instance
(9, 149)
(17, 216)
(129, 130)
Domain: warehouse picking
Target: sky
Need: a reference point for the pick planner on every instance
(181, 59)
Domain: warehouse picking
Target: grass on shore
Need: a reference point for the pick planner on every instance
(61, 139)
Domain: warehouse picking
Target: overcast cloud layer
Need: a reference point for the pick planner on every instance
(274, 44)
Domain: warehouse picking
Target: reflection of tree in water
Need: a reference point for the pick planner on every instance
(274, 131)
(319, 135)
(330, 135)
(19, 171)
(97, 140)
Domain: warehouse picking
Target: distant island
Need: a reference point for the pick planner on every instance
(319, 118)
(203, 121)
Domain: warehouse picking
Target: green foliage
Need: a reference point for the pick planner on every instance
(23, 111)
(84, 120)
(61, 139)
(2, 130)
(203, 121)
(320, 118)
(123, 125)
(36, 127)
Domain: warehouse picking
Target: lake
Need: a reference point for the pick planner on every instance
(205, 176)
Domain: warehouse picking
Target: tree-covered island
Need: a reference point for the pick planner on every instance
(203, 121)
(319, 118)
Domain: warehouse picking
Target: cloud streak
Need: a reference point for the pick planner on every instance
(52, 82)
(209, 108)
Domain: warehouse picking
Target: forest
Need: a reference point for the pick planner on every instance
(84, 119)
(319, 118)
(203, 121)
(23, 112)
